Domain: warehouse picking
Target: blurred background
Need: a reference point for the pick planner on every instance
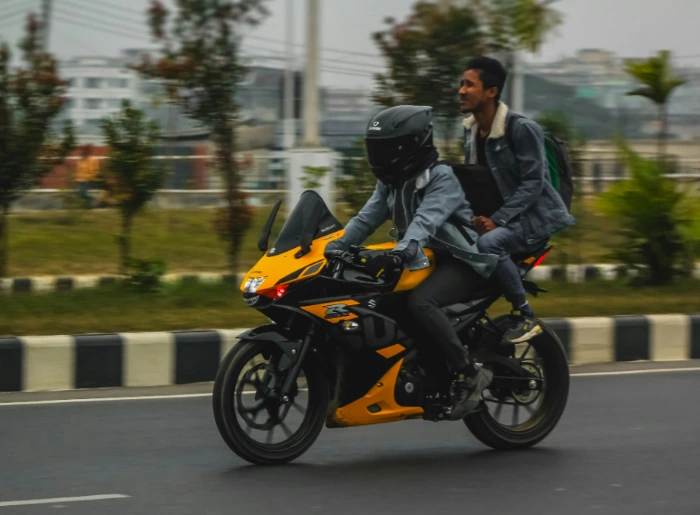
(149, 157)
(142, 146)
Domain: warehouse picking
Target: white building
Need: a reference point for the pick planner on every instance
(96, 88)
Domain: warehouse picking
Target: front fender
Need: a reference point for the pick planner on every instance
(277, 335)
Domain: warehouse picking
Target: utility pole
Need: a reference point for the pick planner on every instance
(311, 109)
(289, 118)
(518, 85)
(46, 24)
(310, 153)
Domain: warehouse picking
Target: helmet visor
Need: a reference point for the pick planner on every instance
(383, 152)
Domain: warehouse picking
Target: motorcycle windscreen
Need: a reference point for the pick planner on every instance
(310, 215)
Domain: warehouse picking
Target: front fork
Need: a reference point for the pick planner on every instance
(294, 371)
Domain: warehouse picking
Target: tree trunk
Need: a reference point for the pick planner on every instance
(125, 243)
(4, 239)
(227, 148)
(663, 132)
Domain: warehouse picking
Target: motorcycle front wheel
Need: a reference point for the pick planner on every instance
(252, 418)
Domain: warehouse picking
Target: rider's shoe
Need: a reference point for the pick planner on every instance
(467, 391)
(526, 329)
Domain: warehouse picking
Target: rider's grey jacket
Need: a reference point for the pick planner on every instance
(435, 213)
(521, 175)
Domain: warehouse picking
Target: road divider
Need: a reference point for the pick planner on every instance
(573, 273)
(50, 363)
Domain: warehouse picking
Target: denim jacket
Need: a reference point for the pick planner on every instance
(521, 175)
(437, 213)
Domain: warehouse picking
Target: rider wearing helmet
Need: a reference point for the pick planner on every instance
(427, 205)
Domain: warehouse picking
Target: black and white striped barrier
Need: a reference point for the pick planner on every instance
(39, 363)
(43, 363)
(69, 283)
(573, 273)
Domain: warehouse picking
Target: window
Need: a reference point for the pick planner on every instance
(92, 125)
(92, 103)
(69, 103)
(114, 103)
(92, 82)
(117, 83)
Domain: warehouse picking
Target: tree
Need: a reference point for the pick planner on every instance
(656, 220)
(658, 84)
(132, 176)
(200, 63)
(313, 175)
(517, 24)
(426, 55)
(31, 97)
(357, 181)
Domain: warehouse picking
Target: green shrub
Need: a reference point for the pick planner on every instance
(656, 218)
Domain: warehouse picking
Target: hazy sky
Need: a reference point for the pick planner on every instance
(628, 27)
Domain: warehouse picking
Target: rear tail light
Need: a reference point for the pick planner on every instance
(540, 259)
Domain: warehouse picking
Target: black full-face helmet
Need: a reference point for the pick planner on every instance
(399, 143)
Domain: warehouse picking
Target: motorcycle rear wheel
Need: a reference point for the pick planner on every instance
(552, 365)
(233, 420)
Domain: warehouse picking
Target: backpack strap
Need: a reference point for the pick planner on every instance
(510, 129)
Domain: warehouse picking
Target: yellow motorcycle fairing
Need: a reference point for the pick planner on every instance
(378, 406)
(285, 268)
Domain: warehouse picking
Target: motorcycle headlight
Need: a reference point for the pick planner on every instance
(252, 284)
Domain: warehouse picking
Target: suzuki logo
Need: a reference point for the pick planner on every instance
(372, 304)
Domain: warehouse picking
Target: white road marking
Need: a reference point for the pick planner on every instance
(196, 395)
(64, 499)
(117, 399)
(107, 399)
(635, 372)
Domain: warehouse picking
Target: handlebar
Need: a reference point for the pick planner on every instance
(339, 260)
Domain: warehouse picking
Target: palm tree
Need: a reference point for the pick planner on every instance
(658, 84)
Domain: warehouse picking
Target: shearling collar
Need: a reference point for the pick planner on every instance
(498, 128)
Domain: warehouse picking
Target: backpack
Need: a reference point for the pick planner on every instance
(557, 159)
(479, 186)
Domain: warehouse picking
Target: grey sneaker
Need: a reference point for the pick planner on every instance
(467, 393)
(526, 329)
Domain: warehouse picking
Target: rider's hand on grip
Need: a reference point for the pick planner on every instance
(331, 254)
(383, 264)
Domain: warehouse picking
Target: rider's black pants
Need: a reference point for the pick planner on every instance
(453, 281)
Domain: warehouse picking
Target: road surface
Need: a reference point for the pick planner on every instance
(627, 444)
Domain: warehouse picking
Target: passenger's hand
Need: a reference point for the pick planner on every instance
(482, 225)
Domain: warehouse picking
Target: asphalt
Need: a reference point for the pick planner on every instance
(627, 444)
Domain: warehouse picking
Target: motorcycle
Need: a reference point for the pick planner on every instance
(341, 350)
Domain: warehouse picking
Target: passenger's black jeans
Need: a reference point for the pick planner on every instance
(453, 281)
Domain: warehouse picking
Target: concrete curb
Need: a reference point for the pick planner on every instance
(42, 284)
(42, 363)
(574, 273)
